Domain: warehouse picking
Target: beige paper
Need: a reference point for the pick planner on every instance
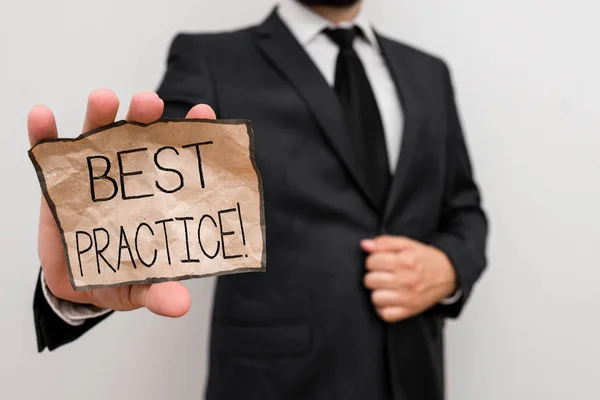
(172, 200)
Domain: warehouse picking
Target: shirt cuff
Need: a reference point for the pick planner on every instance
(448, 301)
(73, 314)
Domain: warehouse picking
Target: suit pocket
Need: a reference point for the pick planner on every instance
(257, 340)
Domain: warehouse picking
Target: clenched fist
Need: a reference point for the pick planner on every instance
(406, 277)
(168, 299)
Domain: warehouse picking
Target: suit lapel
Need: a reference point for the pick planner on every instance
(289, 58)
(400, 71)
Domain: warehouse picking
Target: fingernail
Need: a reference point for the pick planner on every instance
(368, 243)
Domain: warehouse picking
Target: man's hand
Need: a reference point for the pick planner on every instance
(169, 299)
(406, 277)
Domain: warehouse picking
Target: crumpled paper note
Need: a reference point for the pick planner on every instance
(172, 200)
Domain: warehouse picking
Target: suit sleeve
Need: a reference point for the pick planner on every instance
(51, 331)
(187, 80)
(462, 234)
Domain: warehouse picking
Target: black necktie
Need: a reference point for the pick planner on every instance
(362, 114)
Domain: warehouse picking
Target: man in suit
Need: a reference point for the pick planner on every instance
(375, 233)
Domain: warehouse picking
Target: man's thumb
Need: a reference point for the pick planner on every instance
(168, 299)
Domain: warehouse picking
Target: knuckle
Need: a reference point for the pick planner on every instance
(419, 288)
(389, 281)
(413, 283)
(134, 299)
(417, 291)
(381, 260)
(395, 282)
(371, 262)
(411, 262)
(125, 298)
(60, 292)
(397, 260)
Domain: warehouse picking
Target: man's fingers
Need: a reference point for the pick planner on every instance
(41, 124)
(201, 111)
(388, 243)
(145, 107)
(102, 108)
(169, 299)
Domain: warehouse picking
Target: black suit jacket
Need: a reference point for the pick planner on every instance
(306, 328)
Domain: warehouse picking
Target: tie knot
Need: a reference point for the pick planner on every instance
(343, 37)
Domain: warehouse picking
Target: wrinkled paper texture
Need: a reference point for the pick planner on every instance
(172, 200)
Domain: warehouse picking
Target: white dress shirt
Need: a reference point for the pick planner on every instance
(307, 27)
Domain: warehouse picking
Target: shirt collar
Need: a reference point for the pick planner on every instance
(306, 24)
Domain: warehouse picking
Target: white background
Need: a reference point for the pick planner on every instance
(526, 73)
